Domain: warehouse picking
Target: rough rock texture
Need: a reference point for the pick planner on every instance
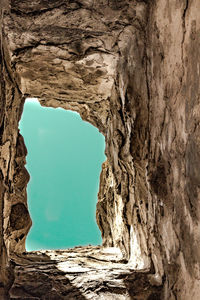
(130, 68)
(79, 273)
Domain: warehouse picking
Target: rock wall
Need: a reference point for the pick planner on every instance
(130, 68)
(173, 68)
(15, 221)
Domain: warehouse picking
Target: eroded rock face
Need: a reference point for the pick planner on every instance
(130, 68)
(85, 56)
(81, 273)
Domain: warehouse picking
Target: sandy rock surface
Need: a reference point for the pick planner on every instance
(79, 273)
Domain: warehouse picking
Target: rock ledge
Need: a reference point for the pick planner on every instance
(90, 272)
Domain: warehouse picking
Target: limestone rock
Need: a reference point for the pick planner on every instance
(81, 273)
(130, 68)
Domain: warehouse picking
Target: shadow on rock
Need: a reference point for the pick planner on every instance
(37, 277)
(139, 288)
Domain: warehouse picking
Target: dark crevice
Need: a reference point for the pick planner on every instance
(183, 39)
(185, 9)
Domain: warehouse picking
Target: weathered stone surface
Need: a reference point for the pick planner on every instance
(131, 68)
(80, 273)
(85, 56)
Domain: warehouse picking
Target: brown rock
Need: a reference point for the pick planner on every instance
(79, 273)
(130, 68)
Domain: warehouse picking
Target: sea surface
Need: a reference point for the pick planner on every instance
(64, 161)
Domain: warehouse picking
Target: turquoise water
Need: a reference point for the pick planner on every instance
(64, 160)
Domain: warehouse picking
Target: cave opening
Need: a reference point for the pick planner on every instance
(64, 161)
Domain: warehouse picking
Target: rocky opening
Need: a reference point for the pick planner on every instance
(64, 162)
(131, 69)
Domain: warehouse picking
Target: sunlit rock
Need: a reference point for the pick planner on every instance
(130, 68)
